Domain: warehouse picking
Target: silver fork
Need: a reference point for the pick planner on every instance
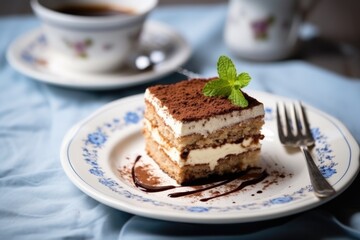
(297, 134)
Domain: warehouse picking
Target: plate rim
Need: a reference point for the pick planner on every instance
(184, 217)
(181, 56)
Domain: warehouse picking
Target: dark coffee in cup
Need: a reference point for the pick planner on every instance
(94, 10)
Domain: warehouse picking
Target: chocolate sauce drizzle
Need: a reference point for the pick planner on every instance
(249, 179)
(146, 187)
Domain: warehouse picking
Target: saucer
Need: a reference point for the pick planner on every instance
(30, 55)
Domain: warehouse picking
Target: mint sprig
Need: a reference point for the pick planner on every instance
(228, 84)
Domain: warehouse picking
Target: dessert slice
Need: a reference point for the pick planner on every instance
(192, 136)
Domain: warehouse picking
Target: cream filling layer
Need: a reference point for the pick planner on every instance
(204, 126)
(207, 155)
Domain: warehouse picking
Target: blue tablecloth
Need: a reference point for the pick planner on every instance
(37, 201)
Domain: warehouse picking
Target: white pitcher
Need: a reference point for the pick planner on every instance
(264, 30)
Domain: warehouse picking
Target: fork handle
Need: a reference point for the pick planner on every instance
(321, 187)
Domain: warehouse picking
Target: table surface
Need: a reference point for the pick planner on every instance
(38, 201)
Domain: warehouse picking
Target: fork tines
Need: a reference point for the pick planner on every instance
(298, 135)
(292, 123)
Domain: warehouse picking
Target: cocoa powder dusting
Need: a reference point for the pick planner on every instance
(145, 179)
(189, 104)
(144, 175)
(125, 173)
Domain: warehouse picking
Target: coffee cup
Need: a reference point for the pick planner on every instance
(264, 30)
(92, 35)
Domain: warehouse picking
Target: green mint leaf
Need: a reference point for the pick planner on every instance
(237, 98)
(226, 69)
(243, 79)
(218, 87)
(228, 84)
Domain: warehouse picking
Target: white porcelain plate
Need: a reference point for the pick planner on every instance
(98, 153)
(30, 55)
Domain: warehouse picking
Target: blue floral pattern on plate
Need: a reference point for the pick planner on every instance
(98, 153)
(97, 138)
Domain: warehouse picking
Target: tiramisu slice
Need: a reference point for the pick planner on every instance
(192, 136)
